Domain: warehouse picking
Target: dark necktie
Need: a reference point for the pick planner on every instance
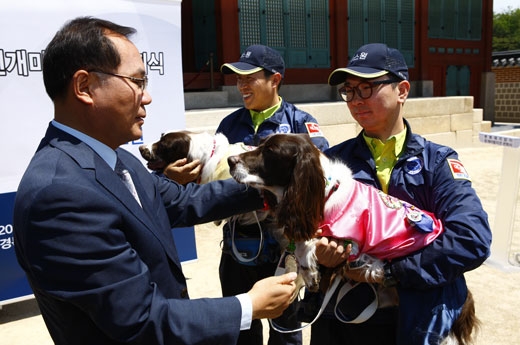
(123, 173)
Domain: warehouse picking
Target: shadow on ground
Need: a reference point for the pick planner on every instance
(18, 311)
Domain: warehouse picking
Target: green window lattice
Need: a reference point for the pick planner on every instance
(298, 29)
(382, 21)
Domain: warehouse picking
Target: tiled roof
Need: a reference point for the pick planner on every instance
(506, 58)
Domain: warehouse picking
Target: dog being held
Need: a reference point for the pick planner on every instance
(314, 192)
(212, 151)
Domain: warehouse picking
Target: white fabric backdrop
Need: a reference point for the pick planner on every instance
(26, 26)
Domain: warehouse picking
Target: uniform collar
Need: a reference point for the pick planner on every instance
(377, 146)
(260, 116)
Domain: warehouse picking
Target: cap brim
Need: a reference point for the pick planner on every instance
(239, 68)
(339, 75)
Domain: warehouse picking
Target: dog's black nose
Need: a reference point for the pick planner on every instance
(143, 149)
(232, 161)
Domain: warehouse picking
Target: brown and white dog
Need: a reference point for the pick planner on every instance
(212, 151)
(314, 192)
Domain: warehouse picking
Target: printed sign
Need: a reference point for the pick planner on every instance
(13, 283)
(499, 139)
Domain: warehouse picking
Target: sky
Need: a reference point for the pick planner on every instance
(500, 6)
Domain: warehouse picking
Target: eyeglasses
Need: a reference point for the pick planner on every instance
(363, 89)
(142, 83)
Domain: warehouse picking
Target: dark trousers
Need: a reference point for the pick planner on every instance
(237, 278)
(380, 329)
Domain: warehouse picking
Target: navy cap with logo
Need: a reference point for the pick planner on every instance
(254, 59)
(371, 61)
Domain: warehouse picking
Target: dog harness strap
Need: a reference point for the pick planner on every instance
(334, 188)
(266, 205)
(344, 290)
(236, 253)
(326, 299)
(214, 148)
(365, 314)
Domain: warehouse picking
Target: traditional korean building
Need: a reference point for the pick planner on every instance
(447, 44)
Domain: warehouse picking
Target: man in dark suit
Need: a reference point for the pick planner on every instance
(100, 260)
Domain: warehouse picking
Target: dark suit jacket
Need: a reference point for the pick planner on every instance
(103, 269)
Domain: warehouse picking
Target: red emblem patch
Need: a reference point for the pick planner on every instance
(313, 129)
(457, 169)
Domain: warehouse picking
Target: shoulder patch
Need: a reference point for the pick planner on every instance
(313, 129)
(413, 165)
(283, 128)
(457, 169)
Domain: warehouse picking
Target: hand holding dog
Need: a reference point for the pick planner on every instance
(182, 172)
(366, 269)
(272, 295)
(332, 254)
(329, 253)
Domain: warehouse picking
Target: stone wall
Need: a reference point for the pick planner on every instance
(447, 120)
(507, 94)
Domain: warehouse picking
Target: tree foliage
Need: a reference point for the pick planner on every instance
(506, 30)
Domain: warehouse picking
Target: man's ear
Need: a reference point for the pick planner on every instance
(277, 79)
(404, 90)
(81, 86)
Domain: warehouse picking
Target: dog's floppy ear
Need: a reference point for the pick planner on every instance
(301, 209)
(173, 146)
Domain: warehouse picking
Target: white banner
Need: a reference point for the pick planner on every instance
(27, 26)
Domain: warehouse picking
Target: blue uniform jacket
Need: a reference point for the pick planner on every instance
(431, 283)
(238, 126)
(103, 269)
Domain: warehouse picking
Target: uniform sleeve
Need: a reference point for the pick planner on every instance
(310, 125)
(465, 242)
(196, 204)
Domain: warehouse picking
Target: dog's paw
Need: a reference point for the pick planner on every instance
(365, 269)
(308, 264)
(312, 279)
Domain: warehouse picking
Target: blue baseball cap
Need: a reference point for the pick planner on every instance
(371, 61)
(254, 59)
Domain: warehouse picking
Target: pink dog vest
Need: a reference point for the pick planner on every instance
(381, 225)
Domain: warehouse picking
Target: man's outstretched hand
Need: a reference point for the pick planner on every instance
(271, 296)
